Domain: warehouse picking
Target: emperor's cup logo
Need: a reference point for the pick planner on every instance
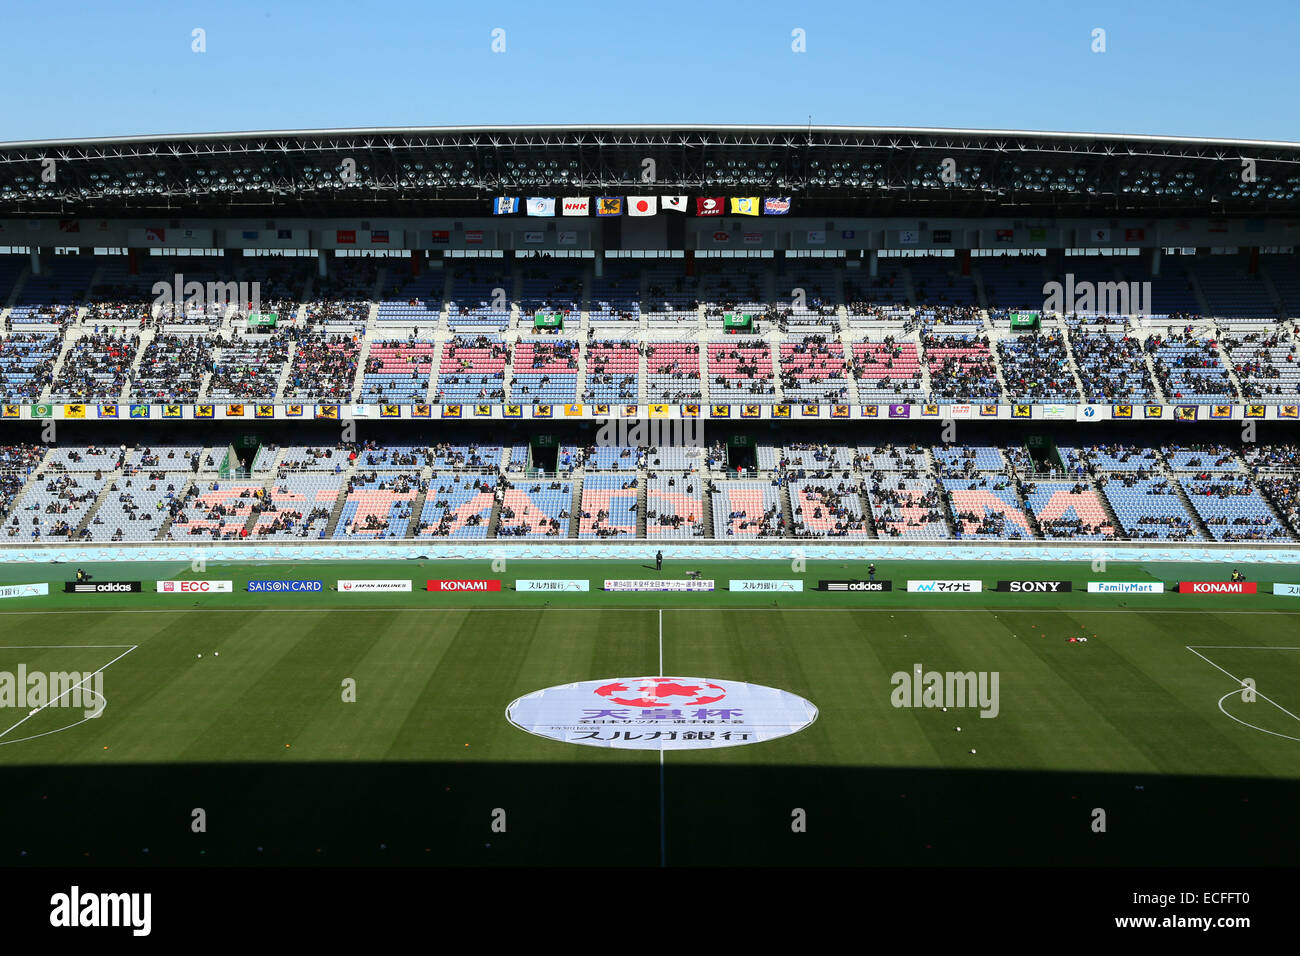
(661, 691)
(661, 713)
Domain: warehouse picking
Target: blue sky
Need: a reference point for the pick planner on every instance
(126, 67)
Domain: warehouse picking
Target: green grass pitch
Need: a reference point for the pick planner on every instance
(256, 733)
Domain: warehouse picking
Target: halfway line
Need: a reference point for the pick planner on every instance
(663, 815)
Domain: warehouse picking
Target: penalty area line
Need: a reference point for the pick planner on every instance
(103, 701)
(1237, 680)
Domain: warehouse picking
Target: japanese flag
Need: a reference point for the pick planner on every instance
(642, 205)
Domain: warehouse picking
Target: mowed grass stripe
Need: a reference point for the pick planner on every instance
(1194, 734)
(1276, 674)
(494, 659)
(391, 666)
(250, 701)
(1132, 699)
(879, 783)
(545, 788)
(1074, 699)
(1062, 696)
(758, 650)
(129, 686)
(16, 720)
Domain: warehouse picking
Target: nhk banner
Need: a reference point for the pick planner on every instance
(661, 713)
(659, 584)
(195, 587)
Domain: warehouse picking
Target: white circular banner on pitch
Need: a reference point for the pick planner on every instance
(661, 713)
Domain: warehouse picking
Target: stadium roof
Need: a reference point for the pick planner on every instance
(828, 170)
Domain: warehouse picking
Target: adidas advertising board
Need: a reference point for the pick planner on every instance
(103, 587)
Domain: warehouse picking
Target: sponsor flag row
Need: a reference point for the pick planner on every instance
(113, 411)
(550, 206)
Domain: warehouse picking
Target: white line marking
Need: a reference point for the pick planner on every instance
(1237, 680)
(663, 817)
(642, 608)
(661, 642)
(102, 698)
(1242, 647)
(1234, 693)
(663, 812)
(23, 647)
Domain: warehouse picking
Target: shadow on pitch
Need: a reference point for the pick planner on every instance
(607, 813)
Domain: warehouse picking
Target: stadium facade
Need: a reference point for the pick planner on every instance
(419, 333)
